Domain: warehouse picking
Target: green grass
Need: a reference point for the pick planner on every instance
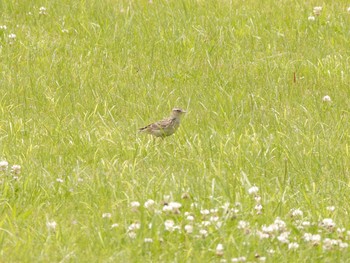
(77, 82)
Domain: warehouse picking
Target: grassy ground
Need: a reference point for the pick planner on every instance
(78, 78)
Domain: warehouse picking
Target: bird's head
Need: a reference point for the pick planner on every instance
(177, 112)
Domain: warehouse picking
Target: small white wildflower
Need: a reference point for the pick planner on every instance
(343, 245)
(3, 27)
(12, 36)
(296, 213)
(134, 226)
(135, 205)
(258, 208)
(327, 223)
(16, 169)
(219, 250)
(306, 223)
(51, 225)
(148, 240)
(329, 243)
(114, 225)
(311, 18)
(188, 229)
(326, 99)
(169, 225)
(317, 10)
(263, 235)
(80, 180)
(253, 190)
(281, 225)
(64, 30)
(213, 210)
(314, 239)
(167, 208)
(106, 215)
(341, 230)
(240, 259)
(262, 259)
(190, 218)
(42, 10)
(242, 224)
(149, 204)
(175, 206)
(59, 180)
(3, 165)
(283, 237)
(214, 218)
(205, 212)
(293, 246)
(203, 232)
(257, 198)
(330, 208)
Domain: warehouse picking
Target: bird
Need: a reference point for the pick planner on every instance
(165, 127)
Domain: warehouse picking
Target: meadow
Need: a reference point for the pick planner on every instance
(259, 170)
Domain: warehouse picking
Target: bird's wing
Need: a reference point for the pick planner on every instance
(159, 125)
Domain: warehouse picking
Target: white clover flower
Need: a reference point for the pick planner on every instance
(306, 223)
(311, 18)
(283, 237)
(3, 27)
(240, 259)
(51, 225)
(314, 239)
(114, 225)
(329, 243)
(257, 198)
(149, 204)
(169, 225)
(59, 180)
(134, 226)
(326, 99)
(16, 169)
(219, 250)
(327, 223)
(12, 36)
(262, 235)
(205, 212)
(188, 229)
(293, 246)
(135, 205)
(106, 215)
(203, 232)
(213, 210)
(296, 213)
(281, 225)
(317, 10)
(190, 218)
(148, 240)
(253, 190)
(167, 208)
(175, 207)
(3, 165)
(341, 230)
(343, 245)
(214, 218)
(258, 208)
(42, 10)
(242, 224)
(271, 251)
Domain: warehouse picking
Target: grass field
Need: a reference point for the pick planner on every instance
(259, 169)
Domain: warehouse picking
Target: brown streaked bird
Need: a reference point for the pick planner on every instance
(165, 127)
